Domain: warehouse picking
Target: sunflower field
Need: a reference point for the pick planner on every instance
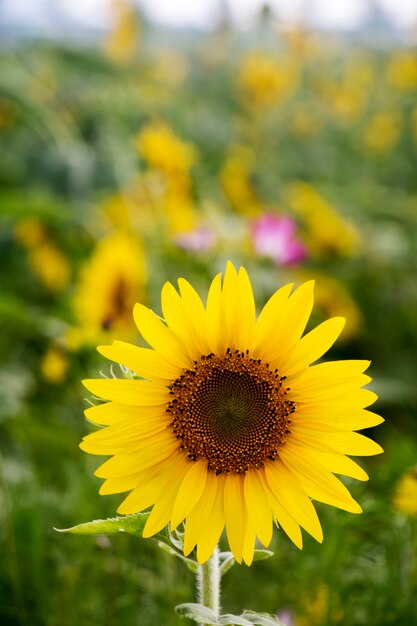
(151, 155)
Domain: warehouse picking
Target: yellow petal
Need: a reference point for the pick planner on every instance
(213, 310)
(162, 509)
(107, 446)
(133, 392)
(189, 492)
(333, 461)
(159, 337)
(317, 482)
(110, 413)
(284, 519)
(308, 391)
(128, 431)
(227, 338)
(313, 345)
(150, 485)
(352, 444)
(330, 371)
(195, 315)
(245, 312)
(321, 418)
(211, 532)
(234, 513)
(143, 361)
(172, 310)
(296, 315)
(270, 321)
(119, 485)
(198, 516)
(259, 510)
(353, 399)
(249, 539)
(287, 490)
(152, 450)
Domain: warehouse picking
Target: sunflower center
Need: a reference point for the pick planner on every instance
(231, 410)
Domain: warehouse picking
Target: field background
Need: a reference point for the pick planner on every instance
(152, 154)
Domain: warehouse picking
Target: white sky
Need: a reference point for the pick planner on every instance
(95, 13)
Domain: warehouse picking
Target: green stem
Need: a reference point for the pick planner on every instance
(209, 583)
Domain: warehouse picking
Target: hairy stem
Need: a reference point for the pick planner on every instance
(208, 578)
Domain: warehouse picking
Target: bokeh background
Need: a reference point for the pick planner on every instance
(144, 142)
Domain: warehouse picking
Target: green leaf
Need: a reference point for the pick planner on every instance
(233, 620)
(261, 554)
(261, 619)
(130, 524)
(204, 615)
(198, 612)
(192, 565)
(227, 561)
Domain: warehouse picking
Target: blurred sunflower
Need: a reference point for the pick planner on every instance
(231, 427)
(327, 232)
(54, 365)
(402, 70)
(46, 260)
(122, 42)
(236, 178)
(405, 495)
(163, 150)
(382, 132)
(265, 80)
(110, 283)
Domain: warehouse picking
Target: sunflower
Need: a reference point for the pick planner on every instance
(110, 283)
(229, 425)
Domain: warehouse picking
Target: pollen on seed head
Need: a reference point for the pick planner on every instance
(231, 410)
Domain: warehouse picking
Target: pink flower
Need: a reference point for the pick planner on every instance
(274, 236)
(202, 239)
(286, 617)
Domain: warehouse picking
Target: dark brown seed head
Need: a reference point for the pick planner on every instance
(231, 410)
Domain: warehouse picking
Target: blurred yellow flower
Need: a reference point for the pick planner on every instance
(51, 266)
(177, 208)
(402, 70)
(121, 44)
(405, 494)
(265, 80)
(54, 365)
(235, 178)
(163, 150)
(110, 283)
(316, 609)
(382, 132)
(46, 260)
(327, 231)
(30, 232)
